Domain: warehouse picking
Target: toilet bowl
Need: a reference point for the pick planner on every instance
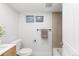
(25, 52)
(21, 51)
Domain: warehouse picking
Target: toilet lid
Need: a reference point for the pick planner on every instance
(25, 50)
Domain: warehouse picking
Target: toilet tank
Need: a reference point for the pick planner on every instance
(18, 44)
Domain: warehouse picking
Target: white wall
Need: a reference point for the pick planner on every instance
(70, 29)
(28, 33)
(9, 18)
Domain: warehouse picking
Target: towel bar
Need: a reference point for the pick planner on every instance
(47, 29)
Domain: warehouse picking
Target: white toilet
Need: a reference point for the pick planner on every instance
(22, 51)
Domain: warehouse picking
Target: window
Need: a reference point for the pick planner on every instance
(29, 19)
(39, 18)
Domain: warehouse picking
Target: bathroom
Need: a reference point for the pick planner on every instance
(13, 16)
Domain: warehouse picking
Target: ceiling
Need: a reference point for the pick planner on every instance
(36, 7)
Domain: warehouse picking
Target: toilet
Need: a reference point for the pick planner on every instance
(21, 51)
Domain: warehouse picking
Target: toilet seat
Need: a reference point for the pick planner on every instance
(25, 52)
